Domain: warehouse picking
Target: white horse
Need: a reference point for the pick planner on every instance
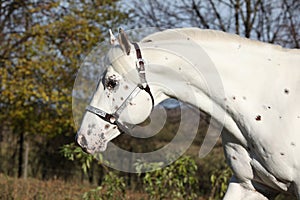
(261, 135)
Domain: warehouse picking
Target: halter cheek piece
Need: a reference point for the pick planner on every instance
(113, 117)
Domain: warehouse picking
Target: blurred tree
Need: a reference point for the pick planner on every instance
(269, 21)
(41, 46)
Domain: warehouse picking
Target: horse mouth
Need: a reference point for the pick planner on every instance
(96, 144)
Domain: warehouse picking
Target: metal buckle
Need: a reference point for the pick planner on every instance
(138, 63)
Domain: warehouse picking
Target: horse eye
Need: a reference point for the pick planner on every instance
(111, 83)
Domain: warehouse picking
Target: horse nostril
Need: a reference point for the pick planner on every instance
(81, 140)
(84, 149)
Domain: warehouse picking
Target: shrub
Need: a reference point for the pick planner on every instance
(176, 181)
(112, 187)
(219, 182)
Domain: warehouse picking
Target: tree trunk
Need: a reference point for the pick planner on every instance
(21, 148)
(26, 160)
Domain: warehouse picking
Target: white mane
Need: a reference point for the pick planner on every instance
(206, 35)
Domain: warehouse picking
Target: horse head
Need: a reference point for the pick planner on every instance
(122, 98)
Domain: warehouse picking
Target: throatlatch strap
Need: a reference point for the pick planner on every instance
(142, 73)
(140, 64)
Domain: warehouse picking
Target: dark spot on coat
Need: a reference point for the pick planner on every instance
(258, 118)
(92, 126)
(280, 117)
(282, 154)
(116, 107)
(267, 107)
(90, 131)
(188, 38)
(113, 99)
(293, 144)
(114, 127)
(126, 87)
(286, 91)
(269, 59)
(106, 126)
(233, 97)
(166, 58)
(233, 157)
(298, 117)
(244, 97)
(122, 98)
(147, 41)
(102, 136)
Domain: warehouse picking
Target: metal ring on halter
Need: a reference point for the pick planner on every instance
(140, 62)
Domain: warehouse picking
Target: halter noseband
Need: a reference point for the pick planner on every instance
(113, 117)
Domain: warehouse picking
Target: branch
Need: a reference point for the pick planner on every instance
(217, 15)
(292, 25)
(202, 20)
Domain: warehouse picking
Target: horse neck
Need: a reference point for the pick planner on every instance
(184, 71)
(246, 73)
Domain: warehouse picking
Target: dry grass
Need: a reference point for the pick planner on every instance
(29, 189)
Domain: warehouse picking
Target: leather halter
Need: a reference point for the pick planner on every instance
(112, 118)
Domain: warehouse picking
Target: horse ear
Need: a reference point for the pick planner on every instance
(113, 39)
(124, 41)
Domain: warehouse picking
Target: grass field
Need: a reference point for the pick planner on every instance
(14, 188)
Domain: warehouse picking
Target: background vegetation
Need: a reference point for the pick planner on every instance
(42, 44)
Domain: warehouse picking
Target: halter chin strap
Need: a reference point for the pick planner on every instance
(113, 118)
